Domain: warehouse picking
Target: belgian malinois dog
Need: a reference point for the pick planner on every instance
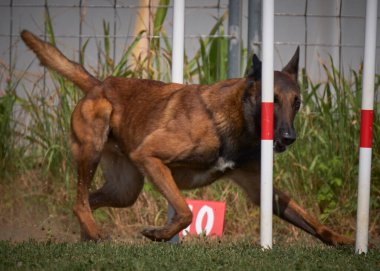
(177, 136)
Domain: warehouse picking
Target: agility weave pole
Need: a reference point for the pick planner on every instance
(365, 152)
(177, 64)
(266, 193)
(178, 41)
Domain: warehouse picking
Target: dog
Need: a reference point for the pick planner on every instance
(176, 136)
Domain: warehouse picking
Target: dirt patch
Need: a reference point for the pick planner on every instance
(31, 208)
(34, 209)
(25, 222)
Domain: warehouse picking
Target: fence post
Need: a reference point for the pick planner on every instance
(365, 153)
(177, 65)
(234, 30)
(266, 193)
(254, 27)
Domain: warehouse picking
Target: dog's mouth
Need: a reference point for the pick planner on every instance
(278, 146)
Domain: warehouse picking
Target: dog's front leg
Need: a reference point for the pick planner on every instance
(248, 178)
(159, 174)
(287, 209)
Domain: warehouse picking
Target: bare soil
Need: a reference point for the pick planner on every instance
(30, 209)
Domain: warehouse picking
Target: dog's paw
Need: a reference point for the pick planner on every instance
(333, 239)
(343, 241)
(157, 234)
(98, 236)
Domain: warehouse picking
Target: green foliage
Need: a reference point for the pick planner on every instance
(7, 126)
(10, 151)
(48, 129)
(209, 63)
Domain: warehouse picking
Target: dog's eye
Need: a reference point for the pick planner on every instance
(276, 101)
(297, 104)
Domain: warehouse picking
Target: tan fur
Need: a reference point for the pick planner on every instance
(53, 59)
(177, 137)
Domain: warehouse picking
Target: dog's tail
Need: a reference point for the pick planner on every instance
(52, 58)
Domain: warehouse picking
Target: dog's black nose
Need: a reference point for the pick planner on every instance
(288, 138)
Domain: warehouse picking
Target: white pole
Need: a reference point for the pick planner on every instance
(177, 64)
(178, 40)
(365, 153)
(266, 198)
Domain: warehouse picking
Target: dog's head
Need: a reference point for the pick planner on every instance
(287, 100)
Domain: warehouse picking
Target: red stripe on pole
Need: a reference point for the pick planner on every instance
(366, 129)
(267, 121)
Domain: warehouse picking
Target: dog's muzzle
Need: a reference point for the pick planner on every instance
(279, 145)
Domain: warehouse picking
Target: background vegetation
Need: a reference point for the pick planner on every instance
(37, 176)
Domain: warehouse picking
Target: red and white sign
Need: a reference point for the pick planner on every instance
(208, 218)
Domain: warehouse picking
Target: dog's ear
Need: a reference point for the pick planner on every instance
(292, 67)
(255, 71)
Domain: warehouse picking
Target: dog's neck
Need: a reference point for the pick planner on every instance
(236, 125)
(224, 101)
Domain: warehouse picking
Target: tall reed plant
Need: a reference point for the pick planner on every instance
(7, 126)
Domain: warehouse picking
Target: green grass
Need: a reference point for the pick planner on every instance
(198, 255)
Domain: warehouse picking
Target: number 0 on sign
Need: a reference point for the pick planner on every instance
(208, 218)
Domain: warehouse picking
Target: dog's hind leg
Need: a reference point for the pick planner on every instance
(90, 126)
(286, 208)
(123, 182)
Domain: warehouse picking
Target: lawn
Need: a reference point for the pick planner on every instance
(196, 255)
